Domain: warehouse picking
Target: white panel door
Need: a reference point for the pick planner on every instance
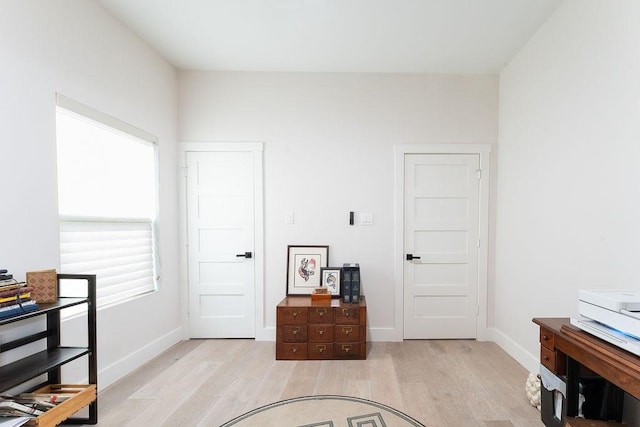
(441, 235)
(221, 239)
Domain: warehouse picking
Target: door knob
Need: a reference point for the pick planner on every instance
(244, 255)
(410, 257)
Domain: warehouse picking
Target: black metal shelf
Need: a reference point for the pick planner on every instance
(23, 370)
(46, 308)
(50, 361)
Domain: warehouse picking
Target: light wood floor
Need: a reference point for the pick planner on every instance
(207, 382)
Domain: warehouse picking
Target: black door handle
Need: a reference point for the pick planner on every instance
(410, 257)
(244, 255)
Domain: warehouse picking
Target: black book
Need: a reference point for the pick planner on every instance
(351, 283)
(345, 285)
(6, 276)
(355, 285)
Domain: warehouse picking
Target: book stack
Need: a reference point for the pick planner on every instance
(350, 286)
(15, 296)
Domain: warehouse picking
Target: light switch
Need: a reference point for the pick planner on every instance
(366, 218)
(288, 217)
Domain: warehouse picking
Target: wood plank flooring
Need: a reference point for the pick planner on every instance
(207, 382)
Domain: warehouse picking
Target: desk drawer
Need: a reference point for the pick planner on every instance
(547, 338)
(548, 359)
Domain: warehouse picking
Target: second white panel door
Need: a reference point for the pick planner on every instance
(441, 242)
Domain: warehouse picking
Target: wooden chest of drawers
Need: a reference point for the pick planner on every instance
(323, 331)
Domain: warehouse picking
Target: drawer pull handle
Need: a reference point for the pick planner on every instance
(346, 313)
(320, 331)
(545, 337)
(294, 349)
(295, 331)
(546, 358)
(295, 314)
(347, 331)
(346, 348)
(321, 313)
(322, 348)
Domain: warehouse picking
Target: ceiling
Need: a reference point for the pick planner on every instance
(380, 36)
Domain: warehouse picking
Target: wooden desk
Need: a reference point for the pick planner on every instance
(564, 348)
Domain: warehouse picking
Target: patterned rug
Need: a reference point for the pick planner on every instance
(324, 411)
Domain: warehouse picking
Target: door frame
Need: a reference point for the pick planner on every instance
(484, 152)
(257, 148)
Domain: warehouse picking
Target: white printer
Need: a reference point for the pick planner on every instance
(613, 316)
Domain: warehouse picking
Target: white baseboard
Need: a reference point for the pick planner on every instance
(383, 335)
(485, 334)
(266, 334)
(133, 361)
(513, 349)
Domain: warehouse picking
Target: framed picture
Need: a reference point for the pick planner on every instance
(303, 268)
(330, 278)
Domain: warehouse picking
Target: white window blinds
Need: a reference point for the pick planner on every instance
(107, 201)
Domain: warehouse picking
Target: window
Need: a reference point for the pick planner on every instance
(107, 200)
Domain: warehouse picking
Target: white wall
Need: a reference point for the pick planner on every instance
(75, 48)
(328, 149)
(568, 190)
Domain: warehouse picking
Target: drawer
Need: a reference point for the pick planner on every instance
(292, 315)
(547, 338)
(81, 396)
(320, 333)
(321, 315)
(548, 359)
(346, 350)
(348, 316)
(291, 351)
(294, 333)
(320, 350)
(346, 333)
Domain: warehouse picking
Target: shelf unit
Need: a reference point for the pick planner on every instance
(49, 362)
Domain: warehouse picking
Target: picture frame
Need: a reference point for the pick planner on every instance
(330, 277)
(304, 264)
